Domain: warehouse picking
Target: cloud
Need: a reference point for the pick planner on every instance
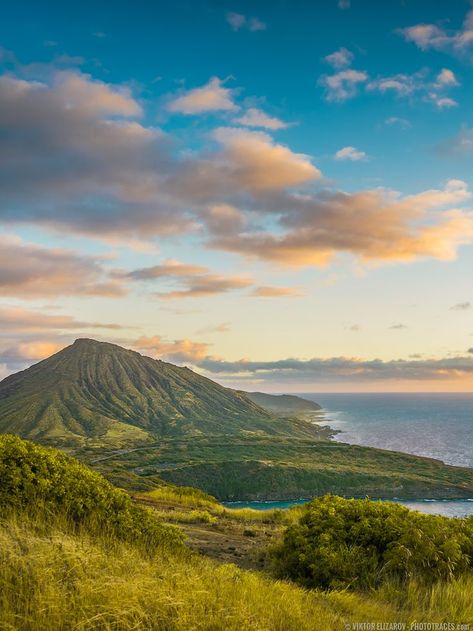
(372, 225)
(170, 269)
(254, 117)
(22, 354)
(31, 271)
(193, 281)
(350, 153)
(275, 292)
(343, 85)
(258, 164)
(461, 306)
(341, 58)
(417, 85)
(211, 97)
(340, 370)
(239, 21)
(396, 121)
(432, 37)
(446, 77)
(207, 285)
(70, 158)
(20, 320)
(176, 351)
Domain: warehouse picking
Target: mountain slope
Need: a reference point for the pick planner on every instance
(99, 394)
(283, 404)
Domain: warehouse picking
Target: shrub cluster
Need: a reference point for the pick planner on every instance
(45, 481)
(338, 543)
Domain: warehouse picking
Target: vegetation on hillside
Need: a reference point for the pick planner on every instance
(49, 485)
(338, 543)
(283, 404)
(71, 572)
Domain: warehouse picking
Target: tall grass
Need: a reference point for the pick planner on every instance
(54, 581)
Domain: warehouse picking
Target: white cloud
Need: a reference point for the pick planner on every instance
(430, 36)
(343, 85)
(446, 77)
(350, 153)
(254, 117)
(211, 97)
(340, 58)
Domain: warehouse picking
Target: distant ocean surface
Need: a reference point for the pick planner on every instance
(434, 425)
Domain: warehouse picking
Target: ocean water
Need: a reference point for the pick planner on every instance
(434, 425)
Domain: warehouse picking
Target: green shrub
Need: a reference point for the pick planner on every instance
(45, 481)
(338, 543)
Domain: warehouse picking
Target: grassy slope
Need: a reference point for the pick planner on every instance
(255, 468)
(55, 576)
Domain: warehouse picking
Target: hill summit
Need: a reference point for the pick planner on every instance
(99, 394)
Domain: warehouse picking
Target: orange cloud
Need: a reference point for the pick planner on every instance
(275, 292)
(178, 350)
(212, 96)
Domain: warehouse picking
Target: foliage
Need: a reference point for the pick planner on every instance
(45, 481)
(56, 581)
(338, 543)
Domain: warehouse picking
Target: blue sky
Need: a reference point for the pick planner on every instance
(229, 185)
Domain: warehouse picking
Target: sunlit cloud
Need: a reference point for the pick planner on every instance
(211, 97)
(275, 292)
(21, 320)
(373, 225)
(255, 117)
(30, 271)
(177, 351)
(193, 281)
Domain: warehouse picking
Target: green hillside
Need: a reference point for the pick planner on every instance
(98, 394)
(283, 404)
(75, 553)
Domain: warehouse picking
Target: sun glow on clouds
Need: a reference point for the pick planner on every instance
(88, 162)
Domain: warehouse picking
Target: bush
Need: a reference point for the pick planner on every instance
(45, 481)
(338, 543)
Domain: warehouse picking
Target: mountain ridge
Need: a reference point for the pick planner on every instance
(96, 392)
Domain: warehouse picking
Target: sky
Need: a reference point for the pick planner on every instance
(275, 194)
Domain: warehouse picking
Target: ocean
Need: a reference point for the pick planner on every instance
(434, 425)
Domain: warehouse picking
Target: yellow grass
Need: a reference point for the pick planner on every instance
(53, 581)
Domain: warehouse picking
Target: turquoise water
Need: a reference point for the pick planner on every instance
(449, 508)
(434, 425)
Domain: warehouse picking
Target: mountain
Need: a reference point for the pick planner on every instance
(283, 404)
(98, 394)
